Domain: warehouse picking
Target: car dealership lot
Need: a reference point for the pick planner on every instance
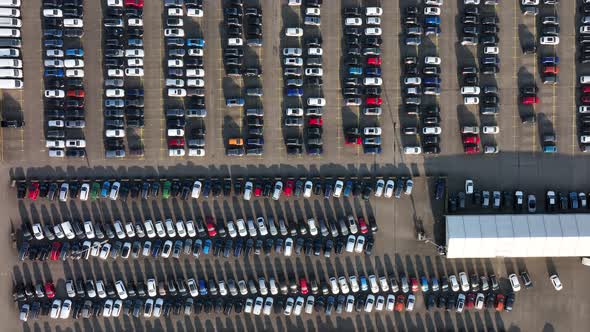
(520, 161)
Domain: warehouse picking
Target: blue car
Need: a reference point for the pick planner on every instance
(57, 33)
(206, 188)
(347, 188)
(135, 42)
(106, 186)
(550, 149)
(53, 43)
(199, 42)
(424, 283)
(207, 247)
(373, 71)
(355, 70)
(550, 60)
(373, 149)
(156, 248)
(364, 284)
(432, 30)
(431, 81)
(202, 287)
(430, 19)
(77, 52)
(295, 92)
(53, 73)
(315, 151)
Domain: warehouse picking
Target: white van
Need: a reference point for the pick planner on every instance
(9, 22)
(11, 63)
(68, 230)
(11, 73)
(9, 53)
(10, 33)
(584, 79)
(11, 84)
(9, 3)
(9, 12)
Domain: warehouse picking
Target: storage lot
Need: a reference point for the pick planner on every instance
(520, 162)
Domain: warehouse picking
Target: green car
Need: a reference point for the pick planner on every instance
(166, 190)
(95, 190)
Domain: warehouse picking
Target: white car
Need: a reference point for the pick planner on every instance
(314, 71)
(431, 130)
(294, 32)
(73, 23)
(315, 51)
(261, 226)
(278, 189)
(235, 42)
(360, 243)
(370, 81)
(55, 309)
(134, 53)
(313, 230)
(298, 62)
(432, 11)
(353, 21)
(307, 189)
(115, 73)
(195, 82)
(52, 13)
(55, 123)
(491, 130)
(298, 306)
(115, 93)
(530, 2)
(151, 287)
(585, 29)
(556, 282)
(194, 12)
(454, 283)
(79, 73)
(469, 187)
(294, 112)
(258, 305)
(135, 62)
(514, 283)
(175, 12)
(176, 92)
(471, 100)
(133, 22)
(354, 285)
(369, 303)
(120, 288)
(413, 80)
(53, 63)
(379, 187)
(350, 243)
(338, 186)
(55, 93)
(174, 32)
(343, 285)
(470, 90)
(372, 131)
(73, 63)
(432, 60)
(549, 40)
(390, 303)
(491, 50)
(292, 51)
(267, 306)
(138, 72)
(373, 11)
(373, 31)
(316, 101)
(463, 281)
(389, 187)
(54, 53)
(312, 11)
(288, 247)
(412, 150)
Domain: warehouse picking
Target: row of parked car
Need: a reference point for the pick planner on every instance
(11, 74)
(584, 87)
(123, 87)
(362, 80)
(302, 67)
(63, 26)
(189, 188)
(244, 28)
(185, 79)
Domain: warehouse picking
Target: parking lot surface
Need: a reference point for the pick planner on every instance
(521, 164)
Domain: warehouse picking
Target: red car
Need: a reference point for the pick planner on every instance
(585, 99)
(414, 284)
(316, 122)
(586, 89)
(257, 189)
(211, 227)
(34, 190)
(55, 250)
(134, 3)
(363, 225)
(176, 142)
(353, 140)
(400, 303)
(470, 303)
(471, 149)
(500, 298)
(289, 188)
(49, 290)
(76, 93)
(551, 70)
(470, 139)
(376, 61)
(303, 286)
(374, 101)
(529, 100)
